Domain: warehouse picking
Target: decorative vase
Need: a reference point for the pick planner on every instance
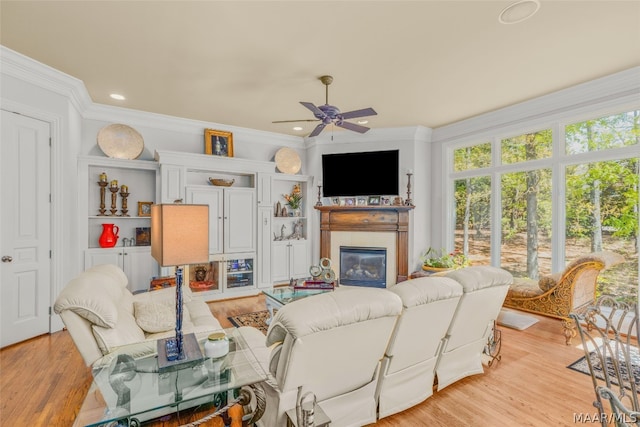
(297, 212)
(109, 236)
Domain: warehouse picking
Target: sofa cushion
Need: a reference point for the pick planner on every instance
(93, 296)
(425, 290)
(479, 277)
(524, 288)
(154, 317)
(125, 332)
(547, 282)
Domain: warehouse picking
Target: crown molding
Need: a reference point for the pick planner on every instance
(38, 74)
(605, 92)
(134, 118)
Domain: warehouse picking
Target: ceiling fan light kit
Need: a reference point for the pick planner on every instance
(330, 114)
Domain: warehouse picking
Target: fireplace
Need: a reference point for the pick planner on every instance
(363, 266)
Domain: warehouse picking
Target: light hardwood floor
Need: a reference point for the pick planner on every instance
(43, 382)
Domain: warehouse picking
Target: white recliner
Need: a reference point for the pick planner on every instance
(101, 314)
(331, 344)
(484, 288)
(408, 370)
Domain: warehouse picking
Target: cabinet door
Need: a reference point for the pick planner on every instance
(280, 262)
(239, 220)
(102, 256)
(264, 190)
(140, 267)
(172, 183)
(263, 268)
(214, 198)
(299, 256)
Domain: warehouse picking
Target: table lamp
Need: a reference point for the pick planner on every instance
(179, 236)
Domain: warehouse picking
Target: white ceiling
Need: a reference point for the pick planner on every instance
(248, 63)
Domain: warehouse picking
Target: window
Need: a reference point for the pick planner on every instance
(555, 204)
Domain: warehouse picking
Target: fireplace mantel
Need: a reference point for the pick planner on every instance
(368, 219)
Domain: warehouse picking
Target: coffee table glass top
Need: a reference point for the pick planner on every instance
(126, 386)
(285, 295)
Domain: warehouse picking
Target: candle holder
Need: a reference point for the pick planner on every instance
(114, 199)
(408, 201)
(103, 188)
(124, 211)
(319, 202)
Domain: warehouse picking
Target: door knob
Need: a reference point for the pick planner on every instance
(7, 258)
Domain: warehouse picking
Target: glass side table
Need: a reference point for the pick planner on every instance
(129, 389)
(278, 297)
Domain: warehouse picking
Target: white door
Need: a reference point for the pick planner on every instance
(25, 228)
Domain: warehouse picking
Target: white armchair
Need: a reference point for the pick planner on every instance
(331, 344)
(408, 369)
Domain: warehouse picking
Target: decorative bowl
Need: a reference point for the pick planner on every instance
(221, 182)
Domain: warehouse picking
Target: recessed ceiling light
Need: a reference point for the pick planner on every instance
(117, 96)
(363, 122)
(519, 11)
(297, 128)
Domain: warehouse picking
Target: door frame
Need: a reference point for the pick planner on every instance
(56, 213)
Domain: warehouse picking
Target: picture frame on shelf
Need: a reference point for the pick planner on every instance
(350, 201)
(335, 201)
(143, 236)
(374, 201)
(385, 201)
(144, 208)
(218, 143)
(362, 201)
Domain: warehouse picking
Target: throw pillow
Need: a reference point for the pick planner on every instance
(154, 317)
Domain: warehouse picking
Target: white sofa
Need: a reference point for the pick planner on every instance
(101, 314)
(342, 344)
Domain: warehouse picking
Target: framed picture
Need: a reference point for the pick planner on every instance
(335, 201)
(362, 201)
(350, 201)
(374, 200)
(218, 143)
(144, 208)
(385, 201)
(143, 236)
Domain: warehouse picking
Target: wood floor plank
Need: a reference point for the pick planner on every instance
(43, 382)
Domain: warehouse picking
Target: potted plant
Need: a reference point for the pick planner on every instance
(439, 260)
(294, 199)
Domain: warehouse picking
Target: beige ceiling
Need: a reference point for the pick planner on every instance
(248, 63)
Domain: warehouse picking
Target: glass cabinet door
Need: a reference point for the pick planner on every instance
(239, 272)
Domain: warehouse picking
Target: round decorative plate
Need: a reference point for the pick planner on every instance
(120, 141)
(288, 161)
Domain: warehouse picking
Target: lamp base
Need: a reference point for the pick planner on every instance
(191, 354)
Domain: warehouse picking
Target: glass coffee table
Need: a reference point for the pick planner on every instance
(127, 389)
(278, 297)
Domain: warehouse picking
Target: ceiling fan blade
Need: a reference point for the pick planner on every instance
(359, 113)
(292, 121)
(315, 110)
(352, 126)
(317, 130)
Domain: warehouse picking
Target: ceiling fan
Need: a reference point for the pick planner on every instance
(328, 114)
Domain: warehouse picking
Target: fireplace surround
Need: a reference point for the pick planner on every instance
(369, 219)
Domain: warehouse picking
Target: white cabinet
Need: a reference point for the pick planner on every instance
(105, 207)
(231, 217)
(136, 262)
(289, 259)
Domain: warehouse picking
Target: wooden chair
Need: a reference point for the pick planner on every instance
(608, 331)
(560, 294)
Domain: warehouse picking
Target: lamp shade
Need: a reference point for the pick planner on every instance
(179, 234)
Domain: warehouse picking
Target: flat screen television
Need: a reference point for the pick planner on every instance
(371, 173)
